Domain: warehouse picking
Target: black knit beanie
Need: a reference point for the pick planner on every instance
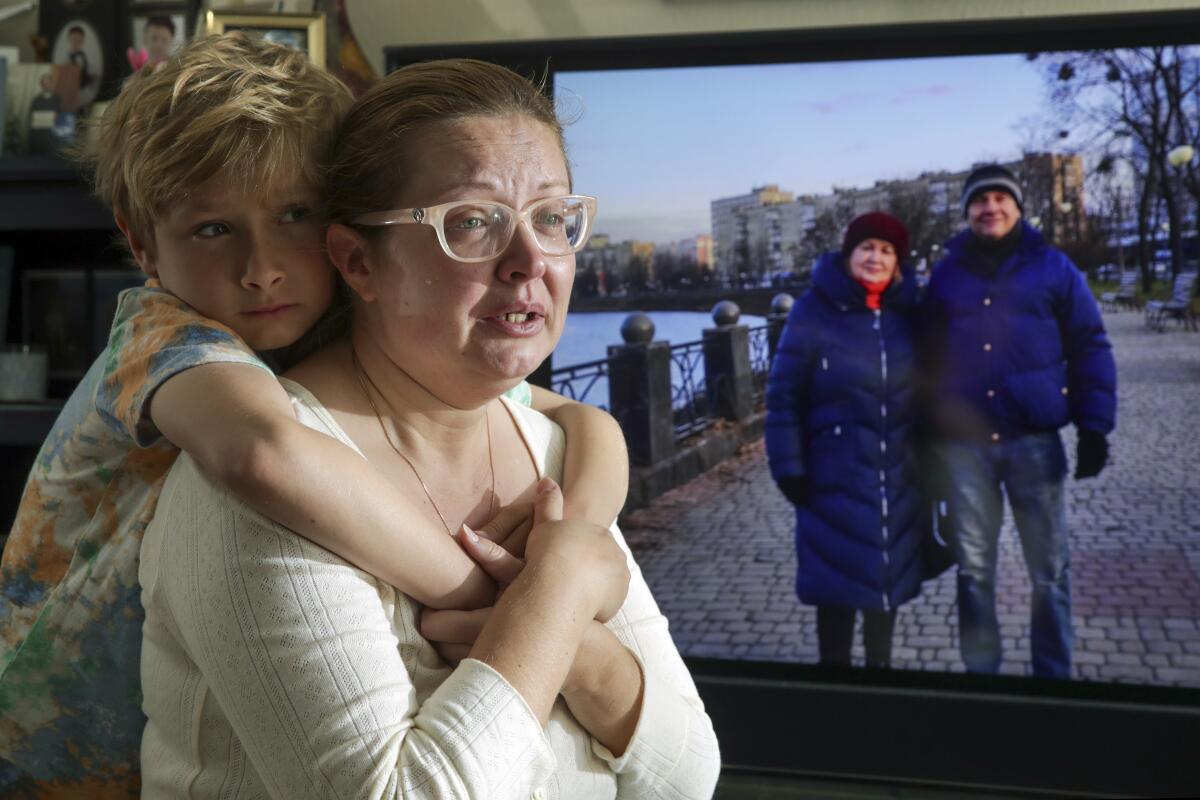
(995, 178)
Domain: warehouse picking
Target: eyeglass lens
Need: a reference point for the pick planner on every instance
(483, 230)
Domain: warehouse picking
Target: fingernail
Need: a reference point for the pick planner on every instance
(470, 533)
(546, 486)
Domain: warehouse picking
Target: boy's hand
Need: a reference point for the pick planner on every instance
(582, 550)
(454, 632)
(510, 528)
(497, 553)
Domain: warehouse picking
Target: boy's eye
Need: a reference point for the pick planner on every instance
(211, 229)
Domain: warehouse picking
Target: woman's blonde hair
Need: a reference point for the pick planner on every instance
(370, 162)
(228, 105)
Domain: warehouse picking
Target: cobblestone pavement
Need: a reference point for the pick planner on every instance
(718, 551)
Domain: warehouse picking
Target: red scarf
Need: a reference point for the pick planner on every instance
(874, 292)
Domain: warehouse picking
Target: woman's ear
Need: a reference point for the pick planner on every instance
(141, 253)
(351, 254)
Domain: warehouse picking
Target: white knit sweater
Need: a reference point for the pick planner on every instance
(272, 668)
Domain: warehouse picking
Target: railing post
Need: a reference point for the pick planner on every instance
(543, 375)
(727, 375)
(781, 306)
(639, 391)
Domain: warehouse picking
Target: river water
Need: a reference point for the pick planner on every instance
(588, 334)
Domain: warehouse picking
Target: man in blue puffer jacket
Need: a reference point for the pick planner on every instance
(1017, 350)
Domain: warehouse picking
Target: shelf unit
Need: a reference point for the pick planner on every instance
(51, 221)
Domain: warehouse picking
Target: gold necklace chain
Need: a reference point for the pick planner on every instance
(362, 374)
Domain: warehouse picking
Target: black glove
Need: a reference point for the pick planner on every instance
(1092, 454)
(795, 489)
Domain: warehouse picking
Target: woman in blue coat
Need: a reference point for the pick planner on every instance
(839, 431)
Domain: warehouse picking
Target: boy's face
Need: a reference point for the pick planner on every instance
(158, 41)
(75, 41)
(254, 263)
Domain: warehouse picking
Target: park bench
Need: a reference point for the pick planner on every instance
(1126, 294)
(1178, 307)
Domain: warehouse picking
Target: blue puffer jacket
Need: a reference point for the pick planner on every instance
(1020, 351)
(840, 410)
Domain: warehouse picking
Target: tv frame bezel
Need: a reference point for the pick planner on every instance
(1024, 735)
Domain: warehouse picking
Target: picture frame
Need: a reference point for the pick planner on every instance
(85, 33)
(305, 32)
(52, 300)
(79, 43)
(161, 28)
(40, 124)
(6, 273)
(3, 105)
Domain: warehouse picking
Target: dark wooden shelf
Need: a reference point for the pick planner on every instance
(43, 193)
(26, 424)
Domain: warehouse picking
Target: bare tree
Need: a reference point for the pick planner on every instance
(913, 205)
(1182, 84)
(1129, 104)
(825, 233)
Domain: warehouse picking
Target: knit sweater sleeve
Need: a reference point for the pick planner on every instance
(302, 653)
(674, 751)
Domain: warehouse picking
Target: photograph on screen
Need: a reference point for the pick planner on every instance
(743, 180)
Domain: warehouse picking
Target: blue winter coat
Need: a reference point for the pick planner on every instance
(1017, 352)
(840, 410)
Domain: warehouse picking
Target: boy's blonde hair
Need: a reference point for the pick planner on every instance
(227, 105)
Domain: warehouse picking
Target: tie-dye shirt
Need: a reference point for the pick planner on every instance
(70, 609)
(70, 613)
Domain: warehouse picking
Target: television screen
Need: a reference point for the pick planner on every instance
(726, 166)
(694, 153)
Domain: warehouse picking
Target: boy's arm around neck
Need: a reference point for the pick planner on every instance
(596, 467)
(237, 422)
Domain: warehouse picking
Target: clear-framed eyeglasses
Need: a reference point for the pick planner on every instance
(478, 230)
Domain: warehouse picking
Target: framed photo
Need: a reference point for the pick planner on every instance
(84, 33)
(53, 301)
(3, 107)
(43, 103)
(161, 29)
(78, 43)
(304, 32)
(6, 271)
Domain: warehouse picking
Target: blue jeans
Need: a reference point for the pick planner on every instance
(1031, 470)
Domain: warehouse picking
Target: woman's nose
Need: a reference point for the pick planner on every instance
(522, 260)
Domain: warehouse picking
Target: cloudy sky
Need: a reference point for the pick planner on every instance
(656, 146)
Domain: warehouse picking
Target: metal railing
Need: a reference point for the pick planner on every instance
(689, 400)
(692, 392)
(578, 381)
(760, 360)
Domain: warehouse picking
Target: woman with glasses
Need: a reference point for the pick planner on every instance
(839, 434)
(454, 227)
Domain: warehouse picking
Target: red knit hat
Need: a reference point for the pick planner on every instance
(876, 225)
